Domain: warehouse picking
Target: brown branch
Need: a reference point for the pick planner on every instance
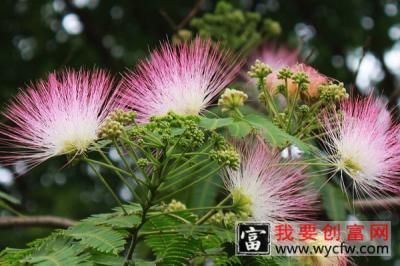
(191, 14)
(376, 203)
(168, 19)
(195, 9)
(36, 221)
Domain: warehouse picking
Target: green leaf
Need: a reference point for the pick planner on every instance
(170, 249)
(214, 123)
(275, 135)
(334, 202)
(66, 256)
(239, 129)
(101, 238)
(204, 193)
(108, 260)
(56, 250)
(120, 221)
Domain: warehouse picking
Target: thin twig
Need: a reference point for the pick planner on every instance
(36, 221)
(196, 8)
(175, 27)
(374, 203)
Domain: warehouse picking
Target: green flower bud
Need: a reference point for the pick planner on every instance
(111, 129)
(259, 70)
(230, 219)
(125, 118)
(229, 157)
(231, 99)
(301, 78)
(217, 218)
(143, 162)
(175, 206)
(333, 92)
(285, 73)
(304, 109)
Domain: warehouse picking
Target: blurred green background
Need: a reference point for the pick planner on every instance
(357, 42)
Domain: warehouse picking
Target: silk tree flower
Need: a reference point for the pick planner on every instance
(266, 189)
(60, 115)
(363, 143)
(275, 56)
(183, 79)
(316, 79)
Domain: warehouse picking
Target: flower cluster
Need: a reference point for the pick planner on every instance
(363, 143)
(60, 115)
(182, 79)
(266, 189)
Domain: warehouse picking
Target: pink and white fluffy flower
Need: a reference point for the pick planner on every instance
(363, 143)
(275, 56)
(266, 189)
(56, 116)
(183, 79)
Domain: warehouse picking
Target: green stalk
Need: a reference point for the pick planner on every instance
(108, 187)
(131, 172)
(187, 176)
(123, 180)
(132, 153)
(212, 211)
(191, 184)
(268, 97)
(292, 106)
(193, 210)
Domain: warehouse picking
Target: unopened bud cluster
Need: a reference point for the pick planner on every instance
(228, 157)
(123, 117)
(175, 206)
(232, 99)
(259, 70)
(333, 92)
(110, 130)
(227, 219)
(114, 125)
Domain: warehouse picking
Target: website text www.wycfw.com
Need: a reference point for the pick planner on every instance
(332, 250)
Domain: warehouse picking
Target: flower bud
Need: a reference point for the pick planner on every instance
(259, 70)
(232, 99)
(110, 130)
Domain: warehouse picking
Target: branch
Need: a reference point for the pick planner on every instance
(36, 221)
(376, 203)
(191, 14)
(195, 9)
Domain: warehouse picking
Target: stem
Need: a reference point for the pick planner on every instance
(132, 153)
(211, 212)
(123, 180)
(268, 97)
(292, 106)
(137, 179)
(191, 184)
(187, 176)
(108, 187)
(111, 167)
